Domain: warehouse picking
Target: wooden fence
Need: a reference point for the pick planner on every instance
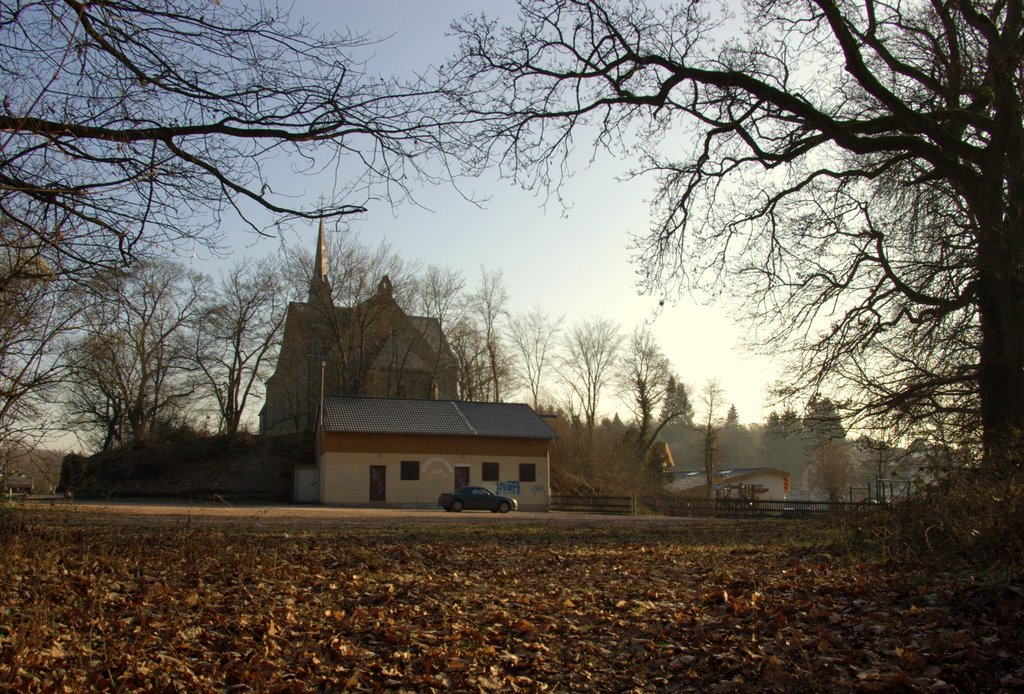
(705, 508)
(621, 505)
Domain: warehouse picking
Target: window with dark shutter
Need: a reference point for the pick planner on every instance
(410, 469)
(527, 472)
(491, 472)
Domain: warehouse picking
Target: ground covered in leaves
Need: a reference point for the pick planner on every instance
(486, 604)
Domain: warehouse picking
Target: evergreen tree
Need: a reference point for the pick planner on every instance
(783, 445)
(732, 418)
(739, 447)
(822, 422)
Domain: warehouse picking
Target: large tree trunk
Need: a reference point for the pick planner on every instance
(1001, 357)
(999, 211)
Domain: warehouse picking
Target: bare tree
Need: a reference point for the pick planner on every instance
(128, 126)
(855, 170)
(588, 463)
(236, 339)
(440, 297)
(711, 397)
(473, 373)
(645, 379)
(534, 335)
(132, 128)
(879, 459)
(34, 315)
(830, 471)
(131, 369)
(94, 394)
(489, 306)
(590, 350)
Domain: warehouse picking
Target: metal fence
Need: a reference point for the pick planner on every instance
(707, 508)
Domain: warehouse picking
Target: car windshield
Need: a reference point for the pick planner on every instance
(482, 492)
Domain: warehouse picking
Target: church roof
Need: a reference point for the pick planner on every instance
(428, 328)
(319, 284)
(434, 418)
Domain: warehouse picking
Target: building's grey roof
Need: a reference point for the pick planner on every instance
(734, 472)
(17, 481)
(434, 418)
(696, 478)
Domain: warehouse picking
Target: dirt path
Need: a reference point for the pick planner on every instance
(291, 516)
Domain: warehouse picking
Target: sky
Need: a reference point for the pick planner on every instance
(573, 262)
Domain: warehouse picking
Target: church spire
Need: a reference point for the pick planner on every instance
(319, 286)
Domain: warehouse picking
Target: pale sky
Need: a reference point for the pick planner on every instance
(574, 263)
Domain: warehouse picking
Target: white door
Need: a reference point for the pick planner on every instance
(305, 482)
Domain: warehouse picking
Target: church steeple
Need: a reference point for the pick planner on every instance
(319, 285)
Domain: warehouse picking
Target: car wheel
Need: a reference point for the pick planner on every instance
(457, 505)
(504, 507)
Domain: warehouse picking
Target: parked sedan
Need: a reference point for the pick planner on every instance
(477, 499)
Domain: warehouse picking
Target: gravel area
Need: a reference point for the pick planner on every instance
(138, 512)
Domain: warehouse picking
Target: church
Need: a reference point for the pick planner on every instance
(370, 349)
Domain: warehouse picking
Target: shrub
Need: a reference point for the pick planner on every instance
(10, 521)
(974, 519)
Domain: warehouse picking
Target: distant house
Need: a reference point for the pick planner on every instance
(750, 483)
(400, 452)
(16, 484)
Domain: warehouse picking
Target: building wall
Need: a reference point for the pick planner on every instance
(346, 460)
(774, 482)
(294, 389)
(385, 355)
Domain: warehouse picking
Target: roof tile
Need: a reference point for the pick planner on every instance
(434, 418)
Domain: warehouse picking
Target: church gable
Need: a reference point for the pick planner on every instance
(370, 349)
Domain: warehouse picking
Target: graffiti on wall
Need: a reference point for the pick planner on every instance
(510, 487)
(515, 488)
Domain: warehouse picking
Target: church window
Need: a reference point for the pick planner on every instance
(314, 349)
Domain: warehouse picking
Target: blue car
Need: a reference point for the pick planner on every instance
(476, 499)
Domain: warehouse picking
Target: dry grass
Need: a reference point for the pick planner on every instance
(974, 522)
(105, 602)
